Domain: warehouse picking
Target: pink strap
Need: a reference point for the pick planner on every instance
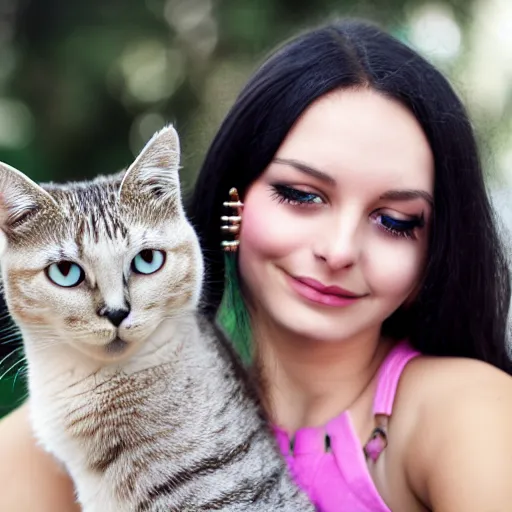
(389, 376)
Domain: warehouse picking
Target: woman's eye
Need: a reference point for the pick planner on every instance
(65, 274)
(290, 195)
(399, 227)
(148, 261)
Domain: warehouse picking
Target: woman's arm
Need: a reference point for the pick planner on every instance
(31, 480)
(461, 453)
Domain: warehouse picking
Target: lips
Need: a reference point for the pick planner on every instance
(328, 290)
(316, 292)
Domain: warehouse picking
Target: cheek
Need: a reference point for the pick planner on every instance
(268, 229)
(35, 300)
(148, 295)
(71, 309)
(395, 268)
(257, 234)
(176, 285)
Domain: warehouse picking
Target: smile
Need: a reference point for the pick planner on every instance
(315, 291)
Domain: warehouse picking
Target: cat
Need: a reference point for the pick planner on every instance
(138, 395)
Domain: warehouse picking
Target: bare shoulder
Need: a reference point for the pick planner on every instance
(459, 451)
(438, 381)
(31, 479)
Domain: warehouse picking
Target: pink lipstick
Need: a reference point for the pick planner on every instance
(315, 291)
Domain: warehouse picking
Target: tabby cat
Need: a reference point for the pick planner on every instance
(138, 396)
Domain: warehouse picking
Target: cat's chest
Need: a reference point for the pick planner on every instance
(97, 414)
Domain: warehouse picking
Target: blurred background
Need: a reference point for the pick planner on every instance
(83, 84)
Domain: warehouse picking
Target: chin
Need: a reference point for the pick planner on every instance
(309, 325)
(323, 323)
(112, 351)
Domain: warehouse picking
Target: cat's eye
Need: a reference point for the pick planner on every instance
(65, 274)
(148, 261)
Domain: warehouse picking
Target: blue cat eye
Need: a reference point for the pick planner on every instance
(65, 274)
(148, 261)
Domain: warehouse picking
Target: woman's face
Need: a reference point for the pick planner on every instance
(334, 232)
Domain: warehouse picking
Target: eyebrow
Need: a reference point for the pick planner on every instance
(408, 195)
(307, 169)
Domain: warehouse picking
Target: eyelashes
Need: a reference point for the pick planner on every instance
(402, 228)
(293, 196)
(285, 194)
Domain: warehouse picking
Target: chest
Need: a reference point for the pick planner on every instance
(330, 465)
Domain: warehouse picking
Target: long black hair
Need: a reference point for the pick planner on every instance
(462, 307)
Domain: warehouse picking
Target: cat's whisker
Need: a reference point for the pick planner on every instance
(9, 323)
(10, 368)
(13, 345)
(23, 371)
(7, 357)
(7, 334)
(9, 329)
(11, 339)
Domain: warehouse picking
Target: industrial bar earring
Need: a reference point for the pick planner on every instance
(232, 222)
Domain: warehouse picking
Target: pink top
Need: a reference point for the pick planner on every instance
(330, 464)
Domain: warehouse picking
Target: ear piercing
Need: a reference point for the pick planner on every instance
(232, 225)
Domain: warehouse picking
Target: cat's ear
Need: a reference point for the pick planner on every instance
(151, 183)
(22, 201)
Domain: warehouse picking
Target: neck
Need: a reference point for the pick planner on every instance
(308, 382)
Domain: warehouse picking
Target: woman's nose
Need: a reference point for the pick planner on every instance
(338, 242)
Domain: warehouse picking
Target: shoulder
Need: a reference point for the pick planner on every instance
(459, 451)
(437, 380)
(31, 479)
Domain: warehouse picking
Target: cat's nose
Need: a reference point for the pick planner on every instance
(115, 316)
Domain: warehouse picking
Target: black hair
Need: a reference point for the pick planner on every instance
(462, 307)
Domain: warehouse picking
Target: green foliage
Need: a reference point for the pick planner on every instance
(92, 80)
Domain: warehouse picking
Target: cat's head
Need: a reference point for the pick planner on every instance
(100, 264)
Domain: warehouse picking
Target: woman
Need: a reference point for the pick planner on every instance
(371, 275)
